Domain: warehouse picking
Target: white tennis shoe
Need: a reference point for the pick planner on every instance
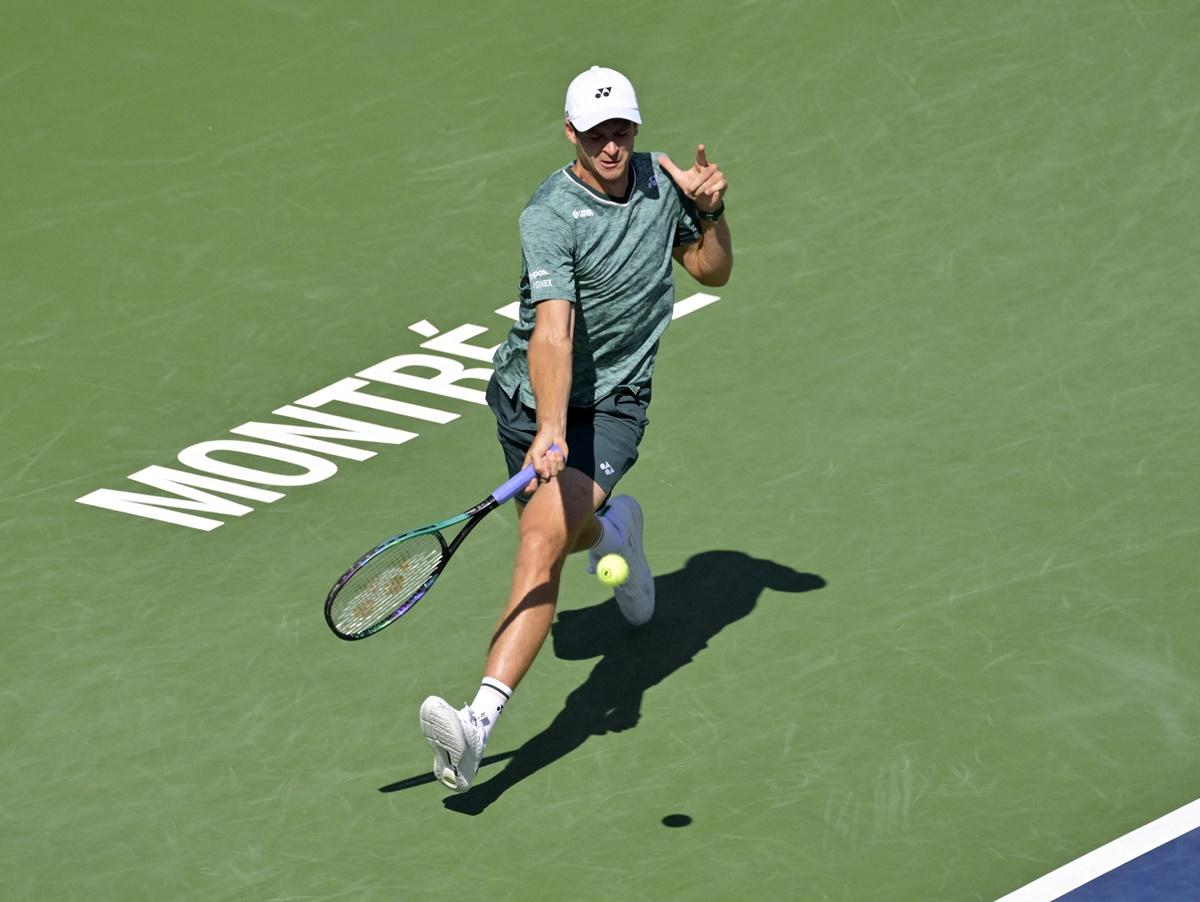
(635, 596)
(456, 739)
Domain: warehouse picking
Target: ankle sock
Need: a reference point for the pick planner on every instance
(489, 703)
(611, 540)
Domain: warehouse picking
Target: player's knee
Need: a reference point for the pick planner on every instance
(543, 546)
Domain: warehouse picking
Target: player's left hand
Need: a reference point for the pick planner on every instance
(703, 183)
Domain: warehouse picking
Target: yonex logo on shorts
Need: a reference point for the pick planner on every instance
(607, 468)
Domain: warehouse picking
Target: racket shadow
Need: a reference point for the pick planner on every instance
(713, 590)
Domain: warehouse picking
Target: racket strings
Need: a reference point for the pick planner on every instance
(388, 580)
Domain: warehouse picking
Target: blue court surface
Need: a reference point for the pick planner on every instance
(1156, 863)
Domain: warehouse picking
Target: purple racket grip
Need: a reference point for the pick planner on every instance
(513, 487)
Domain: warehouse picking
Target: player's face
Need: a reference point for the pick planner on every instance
(604, 150)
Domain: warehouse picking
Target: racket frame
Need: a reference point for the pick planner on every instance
(472, 516)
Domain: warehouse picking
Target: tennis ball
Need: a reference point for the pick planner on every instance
(612, 570)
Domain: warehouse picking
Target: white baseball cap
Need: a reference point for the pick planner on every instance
(600, 94)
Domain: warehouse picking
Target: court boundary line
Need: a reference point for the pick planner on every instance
(1109, 857)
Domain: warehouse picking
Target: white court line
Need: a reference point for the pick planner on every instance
(690, 304)
(1109, 857)
(693, 303)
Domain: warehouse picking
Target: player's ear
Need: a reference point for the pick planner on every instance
(569, 129)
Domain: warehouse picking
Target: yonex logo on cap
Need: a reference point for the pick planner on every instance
(591, 101)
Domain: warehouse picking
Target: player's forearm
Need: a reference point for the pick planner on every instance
(549, 357)
(712, 256)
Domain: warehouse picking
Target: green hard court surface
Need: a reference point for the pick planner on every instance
(921, 487)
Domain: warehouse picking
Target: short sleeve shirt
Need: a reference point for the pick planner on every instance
(612, 260)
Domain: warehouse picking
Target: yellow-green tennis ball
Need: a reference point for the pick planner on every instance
(612, 570)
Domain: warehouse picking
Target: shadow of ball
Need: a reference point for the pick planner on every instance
(676, 820)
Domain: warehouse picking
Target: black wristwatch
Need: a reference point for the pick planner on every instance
(714, 215)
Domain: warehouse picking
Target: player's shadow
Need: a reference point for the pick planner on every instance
(714, 589)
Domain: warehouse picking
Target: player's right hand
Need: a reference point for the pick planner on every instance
(546, 461)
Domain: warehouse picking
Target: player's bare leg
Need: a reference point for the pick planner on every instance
(558, 519)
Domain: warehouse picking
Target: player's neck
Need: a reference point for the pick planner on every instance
(617, 189)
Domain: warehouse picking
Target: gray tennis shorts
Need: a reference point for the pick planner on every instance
(602, 441)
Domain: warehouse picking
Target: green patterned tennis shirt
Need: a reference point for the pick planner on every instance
(612, 260)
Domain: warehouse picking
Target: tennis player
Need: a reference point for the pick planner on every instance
(597, 290)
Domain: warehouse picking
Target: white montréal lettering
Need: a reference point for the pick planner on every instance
(315, 469)
(181, 485)
(347, 392)
(450, 372)
(310, 436)
(203, 496)
(454, 341)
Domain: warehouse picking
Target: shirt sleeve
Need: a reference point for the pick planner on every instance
(687, 223)
(687, 228)
(547, 245)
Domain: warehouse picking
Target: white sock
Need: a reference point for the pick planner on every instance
(489, 704)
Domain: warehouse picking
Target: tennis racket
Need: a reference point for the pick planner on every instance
(388, 580)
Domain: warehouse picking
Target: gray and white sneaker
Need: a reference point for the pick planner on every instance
(635, 596)
(456, 739)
